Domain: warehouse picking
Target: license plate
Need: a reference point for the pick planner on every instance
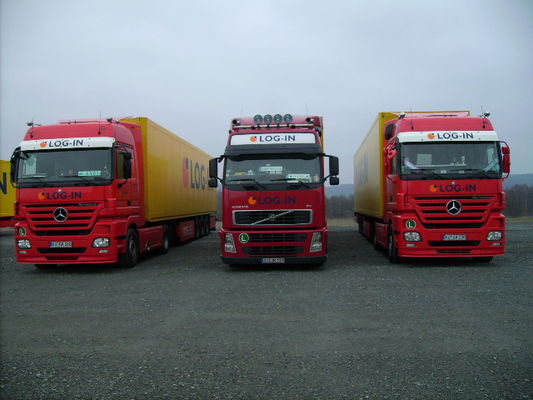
(273, 260)
(56, 244)
(454, 237)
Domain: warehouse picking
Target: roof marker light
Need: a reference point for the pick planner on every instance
(287, 118)
(258, 119)
(268, 119)
(278, 118)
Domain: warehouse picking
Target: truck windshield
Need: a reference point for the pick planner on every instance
(458, 160)
(263, 171)
(55, 168)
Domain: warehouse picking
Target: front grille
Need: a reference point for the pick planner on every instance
(454, 243)
(272, 217)
(277, 237)
(433, 214)
(273, 250)
(81, 218)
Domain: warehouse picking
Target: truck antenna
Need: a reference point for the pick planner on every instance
(306, 110)
(99, 122)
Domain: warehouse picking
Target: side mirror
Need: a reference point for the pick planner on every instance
(506, 160)
(389, 156)
(212, 182)
(213, 169)
(333, 165)
(333, 180)
(13, 164)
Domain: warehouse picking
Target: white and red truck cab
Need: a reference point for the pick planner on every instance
(273, 198)
(430, 184)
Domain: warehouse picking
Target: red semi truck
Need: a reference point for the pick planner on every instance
(430, 184)
(102, 191)
(273, 199)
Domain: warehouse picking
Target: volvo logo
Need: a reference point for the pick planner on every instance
(453, 207)
(60, 214)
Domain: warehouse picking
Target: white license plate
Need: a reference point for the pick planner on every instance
(273, 260)
(454, 237)
(56, 244)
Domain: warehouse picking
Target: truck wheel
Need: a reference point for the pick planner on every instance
(392, 251)
(375, 242)
(45, 267)
(166, 241)
(130, 258)
(483, 259)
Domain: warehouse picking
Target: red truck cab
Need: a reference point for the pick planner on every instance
(273, 198)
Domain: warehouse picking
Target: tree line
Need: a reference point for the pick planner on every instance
(519, 203)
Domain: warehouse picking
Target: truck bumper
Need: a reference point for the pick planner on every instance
(450, 242)
(274, 246)
(68, 249)
(319, 260)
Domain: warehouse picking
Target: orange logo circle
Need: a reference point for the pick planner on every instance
(252, 200)
(42, 144)
(253, 139)
(433, 188)
(41, 196)
(431, 136)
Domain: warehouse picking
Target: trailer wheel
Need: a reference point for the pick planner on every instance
(483, 259)
(45, 267)
(130, 258)
(392, 251)
(207, 227)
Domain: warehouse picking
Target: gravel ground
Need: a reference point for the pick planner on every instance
(185, 326)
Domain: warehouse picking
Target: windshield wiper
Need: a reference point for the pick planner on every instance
(247, 180)
(40, 177)
(484, 174)
(427, 173)
(291, 179)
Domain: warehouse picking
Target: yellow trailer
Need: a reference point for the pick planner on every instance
(368, 169)
(175, 175)
(7, 196)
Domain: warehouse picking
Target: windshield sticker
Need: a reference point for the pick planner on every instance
(67, 143)
(273, 138)
(448, 136)
(89, 173)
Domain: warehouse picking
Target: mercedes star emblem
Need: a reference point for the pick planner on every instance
(60, 214)
(453, 207)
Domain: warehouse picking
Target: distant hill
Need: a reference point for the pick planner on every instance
(518, 179)
(346, 189)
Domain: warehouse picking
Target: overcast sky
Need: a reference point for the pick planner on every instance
(192, 66)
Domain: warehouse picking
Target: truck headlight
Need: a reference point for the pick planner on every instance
(412, 237)
(101, 242)
(316, 242)
(495, 235)
(23, 244)
(229, 244)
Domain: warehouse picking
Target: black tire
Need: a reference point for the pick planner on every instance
(130, 258)
(45, 267)
(197, 227)
(375, 242)
(166, 241)
(392, 251)
(483, 259)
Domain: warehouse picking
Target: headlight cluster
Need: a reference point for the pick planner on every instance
(495, 235)
(412, 237)
(23, 244)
